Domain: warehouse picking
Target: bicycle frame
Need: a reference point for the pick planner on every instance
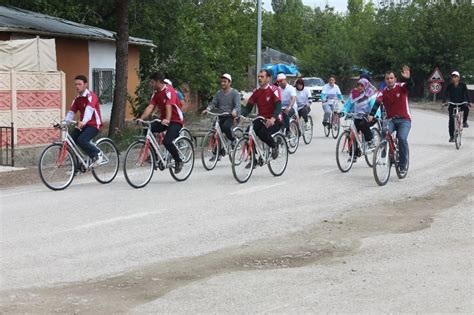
(219, 134)
(261, 150)
(458, 119)
(389, 137)
(356, 135)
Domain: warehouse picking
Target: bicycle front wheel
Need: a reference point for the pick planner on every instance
(336, 126)
(307, 129)
(210, 150)
(278, 166)
(107, 170)
(186, 153)
(345, 152)
(382, 163)
(369, 154)
(139, 164)
(56, 167)
(327, 129)
(457, 139)
(243, 160)
(293, 138)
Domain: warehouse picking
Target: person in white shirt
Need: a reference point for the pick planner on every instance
(303, 99)
(330, 96)
(288, 99)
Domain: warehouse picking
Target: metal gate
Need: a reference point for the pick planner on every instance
(7, 146)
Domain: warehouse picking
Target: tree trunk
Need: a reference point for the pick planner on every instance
(117, 120)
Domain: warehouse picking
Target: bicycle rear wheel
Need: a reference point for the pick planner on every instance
(293, 138)
(243, 160)
(139, 164)
(335, 126)
(278, 166)
(106, 171)
(185, 132)
(382, 163)
(345, 152)
(186, 153)
(56, 167)
(210, 150)
(307, 129)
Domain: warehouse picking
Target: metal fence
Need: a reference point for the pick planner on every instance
(7, 146)
(103, 82)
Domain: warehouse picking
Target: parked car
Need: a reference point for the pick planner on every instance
(315, 85)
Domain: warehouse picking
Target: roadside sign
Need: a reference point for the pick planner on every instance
(435, 87)
(436, 76)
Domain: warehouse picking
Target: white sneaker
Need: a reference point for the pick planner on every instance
(99, 159)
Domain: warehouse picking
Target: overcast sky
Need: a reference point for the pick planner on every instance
(339, 5)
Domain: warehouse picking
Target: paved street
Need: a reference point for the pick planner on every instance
(312, 240)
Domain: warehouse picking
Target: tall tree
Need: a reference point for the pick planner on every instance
(117, 120)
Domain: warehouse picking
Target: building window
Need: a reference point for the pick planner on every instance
(104, 82)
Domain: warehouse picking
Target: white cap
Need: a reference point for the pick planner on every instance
(281, 76)
(455, 73)
(227, 76)
(168, 81)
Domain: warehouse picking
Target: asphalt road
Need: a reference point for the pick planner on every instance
(312, 240)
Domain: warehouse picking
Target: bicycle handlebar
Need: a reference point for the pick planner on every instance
(147, 122)
(455, 104)
(217, 115)
(252, 118)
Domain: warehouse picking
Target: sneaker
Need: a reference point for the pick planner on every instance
(98, 159)
(213, 158)
(371, 145)
(403, 170)
(275, 153)
(178, 166)
(249, 165)
(353, 159)
(325, 123)
(307, 126)
(451, 139)
(465, 125)
(232, 144)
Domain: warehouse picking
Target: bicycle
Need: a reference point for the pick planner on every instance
(349, 140)
(292, 134)
(334, 124)
(250, 152)
(386, 154)
(147, 154)
(305, 129)
(215, 144)
(62, 160)
(458, 122)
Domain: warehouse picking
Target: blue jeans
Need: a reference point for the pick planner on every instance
(402, 127)
(83, 140)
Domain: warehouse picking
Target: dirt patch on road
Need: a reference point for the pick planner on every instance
(324, 243)
(16, 178)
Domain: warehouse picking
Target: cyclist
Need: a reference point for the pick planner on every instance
(303, 99)
(330, 92)
(360, 102)
(456, 92)
(87, 104)
(394, 98)
(288, 100)
(227, 100)
(268, 100)
(166, 101)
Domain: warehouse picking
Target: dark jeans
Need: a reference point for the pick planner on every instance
(83, 139)
(286, 118)
(364, 126)
(226, 123)
(402, 127)
(264, 133)
(303, 112)
(172, 132)
(463, 108)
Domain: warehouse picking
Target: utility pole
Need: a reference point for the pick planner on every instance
(259, 40)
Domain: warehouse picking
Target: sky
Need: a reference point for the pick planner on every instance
(339, 5)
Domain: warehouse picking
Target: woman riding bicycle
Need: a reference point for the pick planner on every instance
(303, 99)
(329, 96)
(360, 102)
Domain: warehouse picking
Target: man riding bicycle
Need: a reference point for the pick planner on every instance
(268, 100)
(329, 95)
(87, 103)
(166, 101)
(456, 92)
(394, 98)
(227, 100)
(288, 99)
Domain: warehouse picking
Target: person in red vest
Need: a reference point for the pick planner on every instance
(87, 104)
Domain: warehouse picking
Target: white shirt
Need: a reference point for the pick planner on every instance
(302, 97)
(286, 94)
